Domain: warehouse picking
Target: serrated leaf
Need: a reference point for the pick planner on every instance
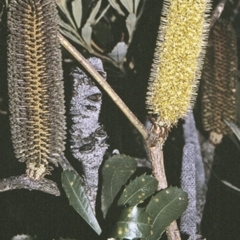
(115, 173)
(138, 190)
(131, 25)
(72, 185)
(133, 223)
(119, 52)
(116, 6)
(77, 12)
(128, 4)
(165, 207)
(87, 33)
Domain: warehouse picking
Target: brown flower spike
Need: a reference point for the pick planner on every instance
(36, 96)
(219, 81)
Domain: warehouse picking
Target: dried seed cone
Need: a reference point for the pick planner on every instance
(219, 81)
(178, 59)
(36, 97)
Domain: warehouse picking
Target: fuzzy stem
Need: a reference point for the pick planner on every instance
(78, 56)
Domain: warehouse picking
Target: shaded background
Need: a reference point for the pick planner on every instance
(50, 217)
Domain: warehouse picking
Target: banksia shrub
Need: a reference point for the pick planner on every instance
(36, 97)
(219, 80)
(177, 60)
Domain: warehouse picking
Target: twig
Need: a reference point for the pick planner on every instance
(24, 182)
(217, 12)
(78, 56)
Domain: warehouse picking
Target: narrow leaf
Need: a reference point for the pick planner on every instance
(230, 185)
(119, 52)
(235, 129)
(87, 33)
(131, 22)
(128, 4)
(165, 207)
(66, 26)
(138, 190)
(94, 12)
(136, 5)
(77, 12)
(62, 4)
(103, 13)
(71, 36)
(72, 185)
(133, 223)
(115, 173)
(116, 6)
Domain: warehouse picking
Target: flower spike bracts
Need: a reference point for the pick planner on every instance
(35, 86)
(178, 59)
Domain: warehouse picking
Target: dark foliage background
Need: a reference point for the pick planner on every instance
(50, 217)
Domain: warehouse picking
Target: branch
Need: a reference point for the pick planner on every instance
(154, 148)
(159, 173)
(78, 56)
(24, 182)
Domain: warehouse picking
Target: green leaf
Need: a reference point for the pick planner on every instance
(131, 22)
(136, 5)
(133, 223)
(87, 33)
(138, 190)
(72, 185)
(71, 36)
(119, 52)
(77, 12)
(65, 25)
(165, 207)
(128, 4)
(62, 4)
(116, 6)
(94, 12)
(230, 185)
(115, 173)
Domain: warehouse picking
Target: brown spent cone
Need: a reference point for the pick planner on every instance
(219, 81)
(36, 96)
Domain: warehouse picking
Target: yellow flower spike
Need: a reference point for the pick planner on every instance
(178, 59)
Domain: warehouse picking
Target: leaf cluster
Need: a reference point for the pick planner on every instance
(144, 212)
(90, 25)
